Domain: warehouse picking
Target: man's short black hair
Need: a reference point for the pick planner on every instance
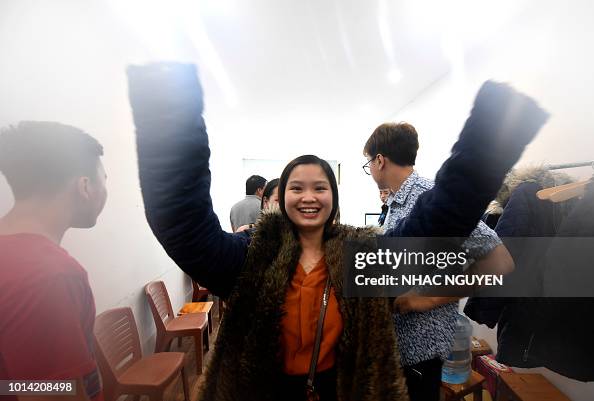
(399, 142)
(254, 183)
(38, 157)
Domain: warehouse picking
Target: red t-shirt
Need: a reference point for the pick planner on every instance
(47, 313)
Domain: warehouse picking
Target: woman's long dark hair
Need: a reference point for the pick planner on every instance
(268, 190)
(284, 178)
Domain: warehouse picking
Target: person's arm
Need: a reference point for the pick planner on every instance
(411, 301)
(244, 227)
(173, 155)
(497, 261)
(490, 255)
(501, 124)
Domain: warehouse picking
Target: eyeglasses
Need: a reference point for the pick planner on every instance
(367, 166)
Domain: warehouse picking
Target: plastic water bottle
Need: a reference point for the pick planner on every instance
(456, 369)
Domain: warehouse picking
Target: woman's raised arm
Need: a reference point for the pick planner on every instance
(501, 124)
(173, 154)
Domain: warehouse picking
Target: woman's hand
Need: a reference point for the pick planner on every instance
(244, 227)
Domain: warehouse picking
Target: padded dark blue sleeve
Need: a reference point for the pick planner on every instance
(173, 156)
(502, 122)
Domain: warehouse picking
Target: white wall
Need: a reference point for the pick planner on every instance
(62, 61)
(544, 53)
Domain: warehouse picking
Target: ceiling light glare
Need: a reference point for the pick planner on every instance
(394, 76)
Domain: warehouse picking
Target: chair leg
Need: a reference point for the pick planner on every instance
(198, 345)
(163, 344)
(185, 384)
(159, 344)
(210, 321)
(206, 341)
(221, 307)
(156, 397)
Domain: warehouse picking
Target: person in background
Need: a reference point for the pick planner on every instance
(384, 193)
(47, 308)
(247, 210)
(425, 325)
(269, 202)
(270, 195)
(280, 273)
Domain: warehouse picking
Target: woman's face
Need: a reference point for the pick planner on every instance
(271, 202)
(308, 197)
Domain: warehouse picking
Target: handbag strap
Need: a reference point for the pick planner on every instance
(316, 350)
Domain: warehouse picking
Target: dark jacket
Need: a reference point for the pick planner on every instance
(536, 331)
(173, 158)
(568, 335)
(524, 216)
(521, 330)
(367, 361)
(532, 178)
(521, 214)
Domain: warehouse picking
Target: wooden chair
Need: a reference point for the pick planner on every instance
(199, 307)
(457, 392)
(527, 387)
(199, 294)
(123, 369)
(169, 327)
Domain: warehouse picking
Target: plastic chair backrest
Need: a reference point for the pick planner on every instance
(198, 292)
(117, 345)
(159, 302)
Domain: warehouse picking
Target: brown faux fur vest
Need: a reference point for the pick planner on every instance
(246, 363)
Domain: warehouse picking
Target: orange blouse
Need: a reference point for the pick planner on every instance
(302, 306)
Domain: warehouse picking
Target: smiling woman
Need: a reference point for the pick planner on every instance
(308, 194)
(280, 275)
(277, 280)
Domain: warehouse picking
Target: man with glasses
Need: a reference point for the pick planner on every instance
(425, 325)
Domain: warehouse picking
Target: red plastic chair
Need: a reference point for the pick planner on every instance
(170, 327)
(199, 294)
(123, 369)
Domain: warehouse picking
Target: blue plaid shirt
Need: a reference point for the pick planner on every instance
(427, 335)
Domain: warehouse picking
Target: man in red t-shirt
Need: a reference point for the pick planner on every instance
(47, 310)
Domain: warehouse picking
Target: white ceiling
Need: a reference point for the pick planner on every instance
(332, 57)
(262, 61)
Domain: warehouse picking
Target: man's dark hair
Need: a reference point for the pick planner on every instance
(38, 157)
(399, 142)
(254, 183)
(284, 179)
